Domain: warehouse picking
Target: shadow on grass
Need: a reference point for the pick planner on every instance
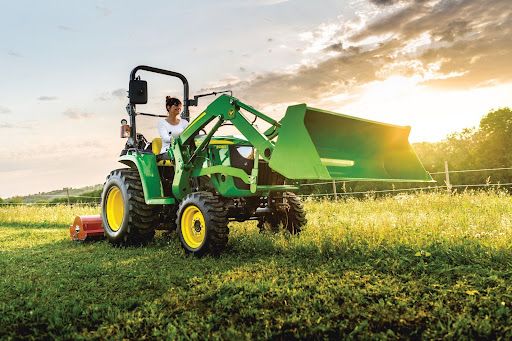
(259, 287)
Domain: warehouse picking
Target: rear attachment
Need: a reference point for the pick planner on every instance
(86, 228)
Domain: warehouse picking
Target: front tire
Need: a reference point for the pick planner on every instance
(202, 224)
(127, 219)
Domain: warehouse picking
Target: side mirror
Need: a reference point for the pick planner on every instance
(138, 91)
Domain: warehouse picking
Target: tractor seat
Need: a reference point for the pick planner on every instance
(162, 159)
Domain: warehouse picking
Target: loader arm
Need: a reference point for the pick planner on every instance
(227, 108)
(189, 157)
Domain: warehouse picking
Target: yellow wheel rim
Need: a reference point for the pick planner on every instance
(193, 227)
(115, 208)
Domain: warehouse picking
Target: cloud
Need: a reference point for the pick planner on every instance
(336, 47)
(52, 169)
(452, 31)
(322, 37)
(77, 115)
(104, 97)
(452, 44)
(5, 125)
(103, 11)
(4, 110)
(64, 28)
(386, 2)
(55, 151)
(254, 3)
(311, 82)
(260, 3)
(47, 98)
(120, 93)
(272, 2)
(468, 39)
(14, 54)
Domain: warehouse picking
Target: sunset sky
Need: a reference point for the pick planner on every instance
(438, 66)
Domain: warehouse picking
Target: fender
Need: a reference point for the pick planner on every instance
(145, 163)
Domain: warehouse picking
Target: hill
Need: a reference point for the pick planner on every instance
(60, 195)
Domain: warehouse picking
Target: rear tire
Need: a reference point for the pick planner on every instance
(292, 219)
(202, 224)
(127, 219)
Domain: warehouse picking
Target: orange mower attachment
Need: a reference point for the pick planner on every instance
(87, 228)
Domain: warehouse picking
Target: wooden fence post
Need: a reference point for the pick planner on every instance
(447, 177)
(334, 189)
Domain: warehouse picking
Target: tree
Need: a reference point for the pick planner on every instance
(495, 138)
(91, 197)
(15, 200)
(487, 146)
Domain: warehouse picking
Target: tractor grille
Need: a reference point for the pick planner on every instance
(266, 176)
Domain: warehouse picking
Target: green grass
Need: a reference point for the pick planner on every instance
(413, 266)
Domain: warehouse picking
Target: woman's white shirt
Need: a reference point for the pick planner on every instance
(167, 130)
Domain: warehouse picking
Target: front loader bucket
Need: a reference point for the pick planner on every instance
(323, 145)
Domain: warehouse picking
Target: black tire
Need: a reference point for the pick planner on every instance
(209, 236)
(127, 219)
(292, 220)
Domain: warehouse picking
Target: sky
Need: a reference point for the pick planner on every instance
(435, 65)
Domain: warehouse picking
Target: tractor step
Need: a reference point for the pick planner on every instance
(161, 201)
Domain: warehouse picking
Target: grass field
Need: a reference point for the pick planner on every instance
(413, 266)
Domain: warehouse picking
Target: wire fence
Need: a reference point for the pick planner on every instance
(49, 203)
(472, 170)
(430, 188)
(431, 173)
(448, 186)
(69, 198)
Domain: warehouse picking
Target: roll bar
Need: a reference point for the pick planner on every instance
(186, 101)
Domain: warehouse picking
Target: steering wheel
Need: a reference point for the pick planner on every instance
(141, 141)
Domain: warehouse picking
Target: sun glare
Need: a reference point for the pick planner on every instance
(432, 114)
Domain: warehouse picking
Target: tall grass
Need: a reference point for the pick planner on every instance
(420, 266)
(43, 215)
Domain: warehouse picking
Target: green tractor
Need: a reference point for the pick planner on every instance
(205, 181)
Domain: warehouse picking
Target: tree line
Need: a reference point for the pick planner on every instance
(483, 147)
(91, 197)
